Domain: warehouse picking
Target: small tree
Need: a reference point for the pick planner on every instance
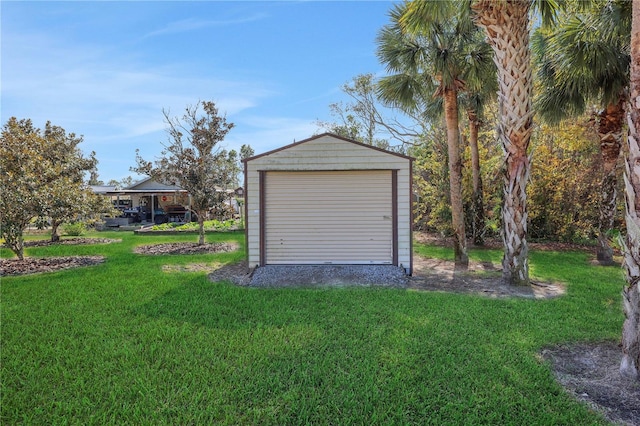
(193, 160)
(39, 169)
(70, 200)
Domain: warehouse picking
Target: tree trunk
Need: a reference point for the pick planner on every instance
(507, 26)
(477, 199)
(54, 231)
(610, 123)
(630, 365)
(455, 179)
(14, 239)
(200, 227)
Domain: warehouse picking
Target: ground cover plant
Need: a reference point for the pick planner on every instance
(127, 341)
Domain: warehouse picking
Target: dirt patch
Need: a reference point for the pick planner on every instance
(591, 373)
(237, 273)
(483, 278)
(185, 248)
(35, 265)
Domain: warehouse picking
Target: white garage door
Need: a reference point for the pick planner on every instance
(337, 217)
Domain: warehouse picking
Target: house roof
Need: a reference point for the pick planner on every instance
(102, 189)
(148, 184)
(333, 135)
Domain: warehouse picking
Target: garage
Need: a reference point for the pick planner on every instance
(328, 200)
(335, 217)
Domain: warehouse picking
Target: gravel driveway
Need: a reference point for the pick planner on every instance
(328, 275)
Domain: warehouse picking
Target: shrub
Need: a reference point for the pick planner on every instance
(209, 225)
(74, 229)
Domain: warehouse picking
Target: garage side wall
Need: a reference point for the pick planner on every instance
(328, 153)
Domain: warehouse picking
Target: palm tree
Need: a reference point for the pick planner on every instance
(506, 23)
(429, 62)
(507, 26)
(630, 365)
(586, 59)
(481, 88)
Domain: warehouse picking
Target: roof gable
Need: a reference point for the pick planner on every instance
(148, 184)
(323, 137)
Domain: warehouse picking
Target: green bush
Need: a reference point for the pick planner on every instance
(74, 229)
(209, 225)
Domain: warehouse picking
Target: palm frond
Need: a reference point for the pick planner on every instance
(583, 60)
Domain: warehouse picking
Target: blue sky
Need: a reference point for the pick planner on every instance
(106, 70)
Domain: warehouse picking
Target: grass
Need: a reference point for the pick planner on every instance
(124, 342)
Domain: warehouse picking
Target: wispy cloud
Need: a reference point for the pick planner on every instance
(115, 101)
(192, 24)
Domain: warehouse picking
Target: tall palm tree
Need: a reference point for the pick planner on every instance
(481, 88)
(507, 26)
(431, 60)
(630, 365)
(585, 59)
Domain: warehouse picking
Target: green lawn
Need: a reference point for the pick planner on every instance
(125, 342)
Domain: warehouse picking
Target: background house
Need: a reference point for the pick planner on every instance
(150, 201)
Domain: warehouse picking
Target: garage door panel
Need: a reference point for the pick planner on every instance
(328, 217)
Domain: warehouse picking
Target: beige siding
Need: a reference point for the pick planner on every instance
(339, 217)
(327, 153)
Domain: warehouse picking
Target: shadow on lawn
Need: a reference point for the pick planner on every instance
(220, 305)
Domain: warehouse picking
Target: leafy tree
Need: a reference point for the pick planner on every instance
(72, 200)
(193, 160)
(42, 175)
(246, 151)
(70, 197)
(563, 191)
(94, 179)
(585, 60)
(122, 183)
(630, 365)
(432, 210)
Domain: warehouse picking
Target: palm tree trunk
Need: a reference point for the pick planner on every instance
(630, 365)
(610, 122)
(507, 26)
(477, 201)
(455, 178)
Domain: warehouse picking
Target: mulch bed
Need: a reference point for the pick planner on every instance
(591, 373)
(34, 265)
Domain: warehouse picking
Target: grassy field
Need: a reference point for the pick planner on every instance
(125, 342)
